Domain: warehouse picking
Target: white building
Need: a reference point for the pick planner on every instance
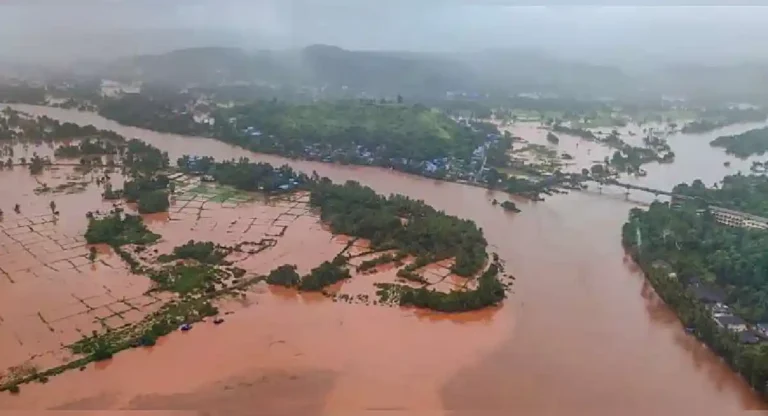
(738, 219)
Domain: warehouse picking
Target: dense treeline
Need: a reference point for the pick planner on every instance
(349, 131)
(144, 159)
(161, 112)
(744, 145)
(510, 206)
(739, 192)
(574, 131)
(713, 119)
(147, 184)
(395, 222)
(399, 222)
(409, 138)
(284, 275)
(88, 148)
(322, 276)
(202, 251)
(490, 291)
(117, 229)
(692, 242)
(679, 247)
(243, 174)
(18, 125)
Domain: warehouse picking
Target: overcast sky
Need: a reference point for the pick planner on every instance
(634, 30)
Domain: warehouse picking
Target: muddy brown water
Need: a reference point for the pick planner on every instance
(583, 333)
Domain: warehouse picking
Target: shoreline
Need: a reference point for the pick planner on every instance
(655, 278)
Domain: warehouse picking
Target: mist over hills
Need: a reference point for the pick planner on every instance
(491, 72)
(371, 72)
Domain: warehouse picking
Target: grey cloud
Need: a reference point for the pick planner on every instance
(633, 31)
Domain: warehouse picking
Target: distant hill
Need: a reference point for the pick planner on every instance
(376, 73)
(341, 72)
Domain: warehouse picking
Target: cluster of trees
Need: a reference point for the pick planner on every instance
(187, 279)
(744, 145)
(713, 119)
(510, 206)
(166, 112)
(202, 251)
(350, 131)
(322, 276)
(88, 148)
(399, 222)
(117, 229)
(748, 193)
(18, 125)
(574, 131)
(490, 291)
(153, 201)
(37, 164)
(245, 175)
(691, 243)
(552, 138)
(144, 159)
(147, 186)
(367, 132)
(134, 188)
(285, 275)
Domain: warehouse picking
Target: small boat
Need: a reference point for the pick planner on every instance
(185, 327)
(218, 320)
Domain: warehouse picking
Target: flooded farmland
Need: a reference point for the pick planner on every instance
(582, 330)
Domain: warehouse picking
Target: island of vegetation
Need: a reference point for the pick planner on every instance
(510, 206)
(552, 138)
(16, 125)
(744, 145)
(398, 228)
(716, 118)
(711, 274)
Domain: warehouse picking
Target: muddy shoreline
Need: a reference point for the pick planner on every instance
(583, 330)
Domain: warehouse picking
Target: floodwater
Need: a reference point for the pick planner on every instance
(583, 333)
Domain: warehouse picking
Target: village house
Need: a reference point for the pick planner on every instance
(732, 323)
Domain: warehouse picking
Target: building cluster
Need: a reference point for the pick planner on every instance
(714, 299)
(448, 167)
(739, 219)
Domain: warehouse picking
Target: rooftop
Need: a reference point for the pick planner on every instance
(708, 293)
(739, 214)
(748, 337)
(728, 320)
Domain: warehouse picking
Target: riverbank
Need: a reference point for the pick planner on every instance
(570, 299)
(395, 223)
(710, 270)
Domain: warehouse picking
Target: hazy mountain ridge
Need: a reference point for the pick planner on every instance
(372, 72)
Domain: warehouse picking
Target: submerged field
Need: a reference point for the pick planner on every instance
(54, 292)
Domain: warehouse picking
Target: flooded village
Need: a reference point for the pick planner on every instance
(272, 342)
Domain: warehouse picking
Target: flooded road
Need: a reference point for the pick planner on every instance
(583, 333)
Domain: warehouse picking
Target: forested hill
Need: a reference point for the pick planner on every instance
(375, 73)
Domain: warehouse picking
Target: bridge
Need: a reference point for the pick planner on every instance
(654, 191)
